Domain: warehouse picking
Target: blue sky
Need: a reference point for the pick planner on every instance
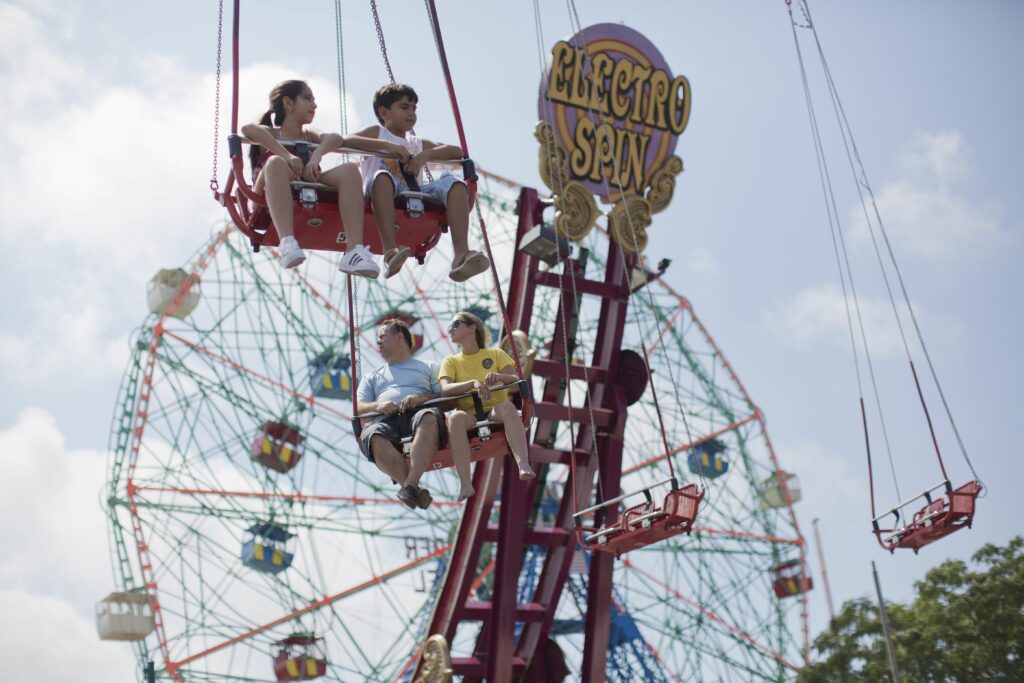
(106, 153)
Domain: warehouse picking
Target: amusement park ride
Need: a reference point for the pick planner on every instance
(253, 542)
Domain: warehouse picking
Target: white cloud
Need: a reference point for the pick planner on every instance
(46, 640)
(57, 561)
(102, 183)
(701, 262)
(926, 209)
(818, 314)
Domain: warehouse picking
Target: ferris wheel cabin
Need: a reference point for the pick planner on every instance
(300, 657)
(124, 616)
(276, 446)
(267, 548)
(330, 375)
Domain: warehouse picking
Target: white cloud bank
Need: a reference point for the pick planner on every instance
(818, 314)
(926, 208)
(103, 181)
(56, 562)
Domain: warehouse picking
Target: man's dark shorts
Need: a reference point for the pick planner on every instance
(397, 427)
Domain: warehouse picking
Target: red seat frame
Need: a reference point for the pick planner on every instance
(644, 524)
(937, 519)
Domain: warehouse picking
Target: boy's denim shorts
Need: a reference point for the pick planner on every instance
(438, 188)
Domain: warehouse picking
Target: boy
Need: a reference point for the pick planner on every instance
(395, 107)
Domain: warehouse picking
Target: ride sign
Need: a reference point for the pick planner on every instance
(611, 112)
(615, 108)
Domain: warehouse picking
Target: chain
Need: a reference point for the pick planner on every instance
(380, 40)
(214, 184)
(342, 106)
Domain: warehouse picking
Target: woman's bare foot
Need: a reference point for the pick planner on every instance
(467, 492)
(526, 474)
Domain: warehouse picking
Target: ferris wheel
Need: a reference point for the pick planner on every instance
(251, 540)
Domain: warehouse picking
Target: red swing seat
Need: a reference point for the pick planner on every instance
(488, 437)
(937, 519)
(644, 524)
(419, 219)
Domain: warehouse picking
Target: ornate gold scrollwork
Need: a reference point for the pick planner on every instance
(527, 354)
(436, 663)
(630, 229)
(577, 211)
(662, 184)
(575, 208)
(554, 168)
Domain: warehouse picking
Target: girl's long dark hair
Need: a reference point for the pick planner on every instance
(275, 115)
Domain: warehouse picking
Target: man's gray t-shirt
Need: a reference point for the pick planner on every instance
(395, 381)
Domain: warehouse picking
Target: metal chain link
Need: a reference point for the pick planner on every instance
(380, 40)
(214, 184)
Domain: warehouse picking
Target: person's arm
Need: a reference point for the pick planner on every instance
(368, 140)
(261, 135)
(432, 151)
(415, 401)
(368, 403)
(506, 376)
(327, 143)
(449, 387)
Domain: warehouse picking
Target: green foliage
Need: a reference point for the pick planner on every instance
(962, 626)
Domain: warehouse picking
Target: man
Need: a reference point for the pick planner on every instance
(396, 390)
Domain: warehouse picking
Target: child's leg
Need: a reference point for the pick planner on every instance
(276, 178)
(382, 198)
(459, 424)
(458, 219)
(515, 434)
(349, 184)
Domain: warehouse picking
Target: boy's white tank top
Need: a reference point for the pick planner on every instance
(370, 165)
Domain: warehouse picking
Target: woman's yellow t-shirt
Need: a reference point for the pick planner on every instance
(462, 368)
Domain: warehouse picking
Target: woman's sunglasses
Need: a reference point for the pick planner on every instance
(454, 324)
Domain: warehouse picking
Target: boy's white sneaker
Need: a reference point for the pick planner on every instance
(359, 261)
(291, 253)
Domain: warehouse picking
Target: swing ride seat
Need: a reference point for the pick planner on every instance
(419, 219)
(644, 524)
(487, 440)
(938, 518)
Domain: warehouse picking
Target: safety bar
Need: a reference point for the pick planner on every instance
(646, 491)
(235, 143)
(523, 386)
(927, 495)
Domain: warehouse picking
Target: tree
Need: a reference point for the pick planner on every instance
(962, 626)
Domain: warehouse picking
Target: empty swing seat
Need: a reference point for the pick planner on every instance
(276, 446)
(644, 524)
(937, 519)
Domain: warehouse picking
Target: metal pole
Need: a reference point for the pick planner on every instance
(885, 628)
(824, 574)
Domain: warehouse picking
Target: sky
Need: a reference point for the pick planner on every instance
(106, 153)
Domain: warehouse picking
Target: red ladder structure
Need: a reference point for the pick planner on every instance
(499, 655)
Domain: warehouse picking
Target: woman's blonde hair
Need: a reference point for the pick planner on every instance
(483, 335)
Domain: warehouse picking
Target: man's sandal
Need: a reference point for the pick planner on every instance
(409, 496)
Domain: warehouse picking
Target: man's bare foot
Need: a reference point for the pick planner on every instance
(466, 493)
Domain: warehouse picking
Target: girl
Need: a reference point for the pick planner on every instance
(274, 167)
(477, 368)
